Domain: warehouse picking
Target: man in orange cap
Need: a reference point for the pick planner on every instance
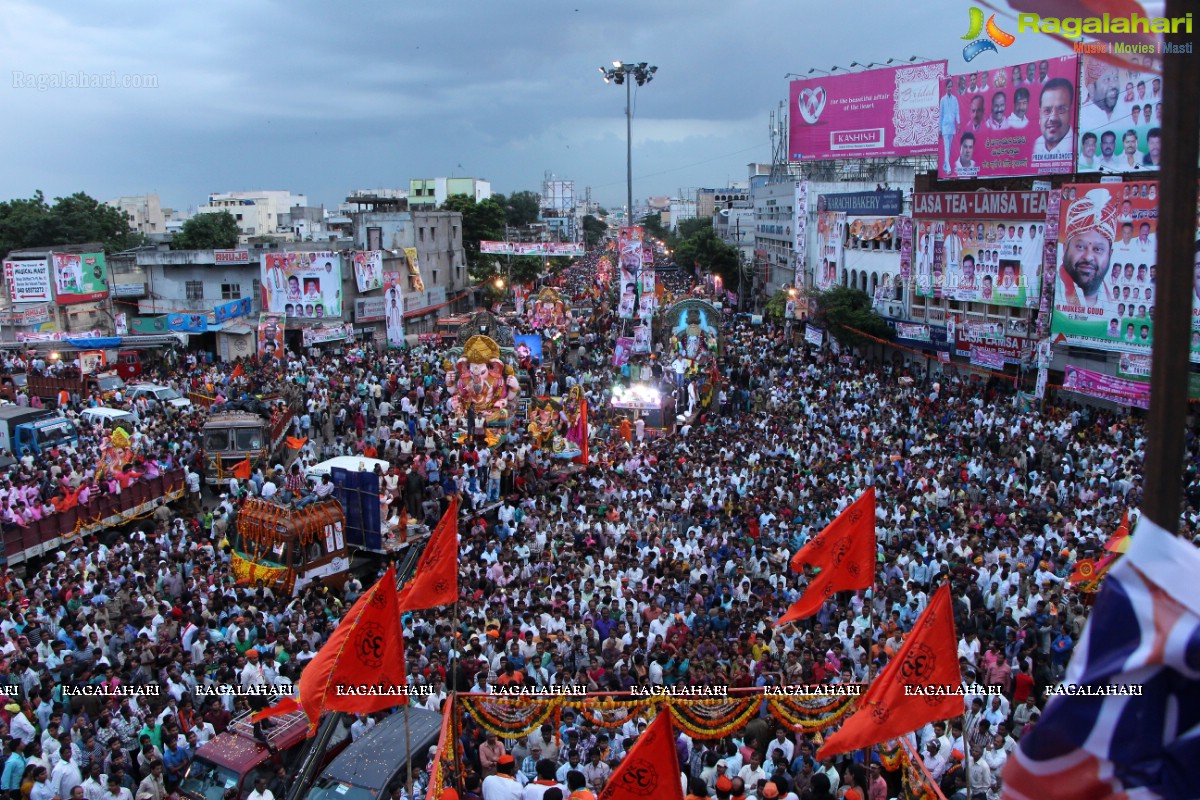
(502, 785)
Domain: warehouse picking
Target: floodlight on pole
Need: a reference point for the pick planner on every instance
(628, 73)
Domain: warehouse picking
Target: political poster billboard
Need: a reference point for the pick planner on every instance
(831, 236)
(368, 269)
(1009, 121)
(393, 307)
(270, 335)
(1120, 116)
(304, 285)
(881, 112)
(1105, 271)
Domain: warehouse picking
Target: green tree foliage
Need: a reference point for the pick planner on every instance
(842, 307)
(776, 305)
(76, 219)
(690, 227)
(520, 208)
(652, 225)
(217, 231)
(482, 221)
(593, 231)
(703, 250)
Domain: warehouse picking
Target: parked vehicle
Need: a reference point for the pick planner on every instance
(109, 417)
(378, 762)
(34, 429)
(75, 384)
(239, 756)
(158, 395)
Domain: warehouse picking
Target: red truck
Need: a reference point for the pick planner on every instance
(236, 758)
(47, 387)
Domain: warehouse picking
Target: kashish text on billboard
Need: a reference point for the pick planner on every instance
(880, 112)
(1009, 121)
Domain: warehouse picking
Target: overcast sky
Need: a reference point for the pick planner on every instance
(322, 98)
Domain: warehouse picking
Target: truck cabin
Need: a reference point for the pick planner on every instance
(229, 438)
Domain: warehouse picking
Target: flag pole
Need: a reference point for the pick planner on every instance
(408, 748)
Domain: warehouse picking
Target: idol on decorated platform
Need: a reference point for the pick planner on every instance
(550, 311)
(481, 383)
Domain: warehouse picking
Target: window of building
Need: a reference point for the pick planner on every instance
(433, 234)
(238, 217)
(231, 291)
(433, 275)
(421, 234)
(194, 290)
(256, 290)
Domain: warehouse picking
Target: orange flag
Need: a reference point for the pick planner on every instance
(238, 371)
(651, 769)
(361, 668)
(1119, 542)
(241, 470)
(295, 443)
(435, 582)
(845, 552)
(893, 705)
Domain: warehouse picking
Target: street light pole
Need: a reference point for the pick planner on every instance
(627, 73)
(629, 151)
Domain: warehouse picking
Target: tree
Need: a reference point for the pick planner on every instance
(842, 307)
(75, 219)
(652, 225)
(521, 208)
(593, 231)
(482, 221)
(776, 305)
(217, 231)
(690, 227)
(704, 249)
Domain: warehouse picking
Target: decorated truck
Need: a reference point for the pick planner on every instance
(286, 548)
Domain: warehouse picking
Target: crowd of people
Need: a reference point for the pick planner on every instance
(662, 562)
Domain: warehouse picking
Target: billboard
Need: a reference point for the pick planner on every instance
(368, 269)
(393, 311)
(1008, 121)
(187, 323)
(831, 234)
(1120, 117)
(28, 281)
(630, 267)
(79, 278)
(879, 203)
(532, 248)
(1106, 387)
(233, 309)
(305, 285)
(1104, 273)
(880, 112)
(369, 309)
(800, 232)
(997, 261)
(414, 269)
(270, 335)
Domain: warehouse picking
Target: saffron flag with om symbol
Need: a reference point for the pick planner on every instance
(651, 769)
(913, 689)
(435, 582)
(361, 668)
(845, 554)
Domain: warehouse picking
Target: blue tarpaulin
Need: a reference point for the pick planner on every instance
(97, 343)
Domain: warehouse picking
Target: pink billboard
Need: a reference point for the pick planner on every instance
(1009, 121)
(880, 112)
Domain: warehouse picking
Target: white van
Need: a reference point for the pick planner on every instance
(109, 417)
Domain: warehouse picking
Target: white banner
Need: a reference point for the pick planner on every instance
(121, 321)
(1039, 390)
(814, 335)
(368, 269)
(532, 248)
(56, 336)
(327, 333)
(800, 231)
(28, 281)
(307, 285)
(919, 333)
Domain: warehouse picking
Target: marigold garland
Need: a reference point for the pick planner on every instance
(781, 710)
(711, 730)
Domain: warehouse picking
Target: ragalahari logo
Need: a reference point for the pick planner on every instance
(995, 36)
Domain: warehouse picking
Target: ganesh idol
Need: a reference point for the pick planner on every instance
(481, 381)
(549, 311)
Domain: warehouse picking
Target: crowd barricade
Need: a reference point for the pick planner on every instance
(135, 501)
